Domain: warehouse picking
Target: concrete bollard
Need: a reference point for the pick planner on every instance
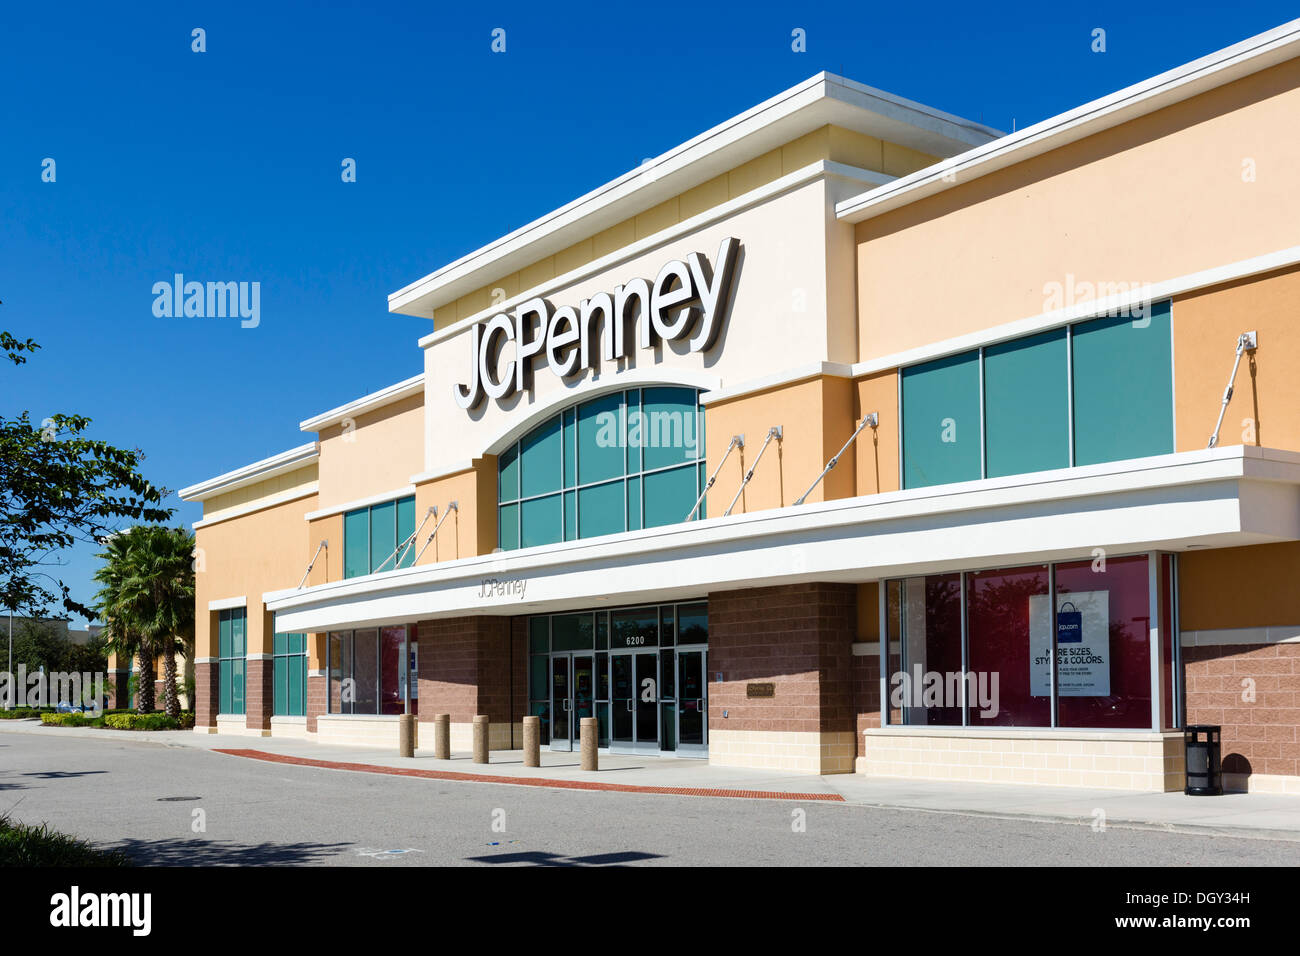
(442, 736)
(587, 734)
(532, 741)
(480, 738)
(406, 735)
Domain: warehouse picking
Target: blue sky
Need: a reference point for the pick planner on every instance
(225, 165)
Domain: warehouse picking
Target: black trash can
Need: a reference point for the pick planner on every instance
(1201, 751)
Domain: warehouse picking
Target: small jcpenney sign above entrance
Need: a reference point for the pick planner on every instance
(686, 300)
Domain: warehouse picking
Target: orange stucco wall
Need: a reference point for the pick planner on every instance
(817, 417)
(247, 556)
(876, 450)
(1162, 196)
(1265, 406)
(472, 528)
(1239, 587)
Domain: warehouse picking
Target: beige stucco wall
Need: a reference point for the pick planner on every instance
(829, 142)
(1153, 199)
(377, 452)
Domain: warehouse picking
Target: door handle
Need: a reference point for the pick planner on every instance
(566, 705)
(629, 705)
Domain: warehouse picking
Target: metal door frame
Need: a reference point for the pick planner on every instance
(635, 746)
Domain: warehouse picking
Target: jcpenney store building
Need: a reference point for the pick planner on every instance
(846, 400)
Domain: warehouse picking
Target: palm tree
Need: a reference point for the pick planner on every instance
(117, 602)
(147, 600)
(165, 560)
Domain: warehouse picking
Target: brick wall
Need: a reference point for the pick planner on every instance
(205, 692)
(866, 696)
(465, 669)
(316, 691)
(797, 637)
(259, 691)
(1258, 736)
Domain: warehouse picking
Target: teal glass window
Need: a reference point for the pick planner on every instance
(628, 460)
(372, 534)
(941, 421)
(1123, 387)
(289, 675)
(601, 510)
(356, 543)
(1097, 391)
(601, 442)
(1027, 405)
(406, 528)
(232, 647)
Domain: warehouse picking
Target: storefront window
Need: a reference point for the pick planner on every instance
(365, 671)
(1104, 672)
(1002, 607)
(1100, 626)
(927, 685)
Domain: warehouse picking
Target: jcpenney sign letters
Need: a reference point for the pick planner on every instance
(684, 301)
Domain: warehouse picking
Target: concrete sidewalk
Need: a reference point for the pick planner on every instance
(1262, 816)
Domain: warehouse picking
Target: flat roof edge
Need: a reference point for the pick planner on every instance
(1216, 69)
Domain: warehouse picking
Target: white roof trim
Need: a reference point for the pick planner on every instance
(284, 497)
(821, 100)
(384, 496)
(1217, 69)
(455, 468)
(366, 403)
(789, 376)
(227, 604)
(272, 467)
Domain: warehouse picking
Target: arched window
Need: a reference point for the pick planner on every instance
(624, 461)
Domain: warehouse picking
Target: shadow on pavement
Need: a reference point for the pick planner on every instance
(199, 852)
(62, 774)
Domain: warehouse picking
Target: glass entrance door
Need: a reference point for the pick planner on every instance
(561, 702)
(573, 685)
(692, 702)
(634, 702)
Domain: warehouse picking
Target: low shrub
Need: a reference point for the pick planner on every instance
(23, 845)
(148, 721)
(121, 720)
(71, 720)
(19, 713)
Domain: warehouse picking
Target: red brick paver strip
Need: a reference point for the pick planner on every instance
(528, 781)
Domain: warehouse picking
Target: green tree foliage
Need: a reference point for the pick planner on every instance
(58, 488)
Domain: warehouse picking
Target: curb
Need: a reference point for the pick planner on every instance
(544, 782)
